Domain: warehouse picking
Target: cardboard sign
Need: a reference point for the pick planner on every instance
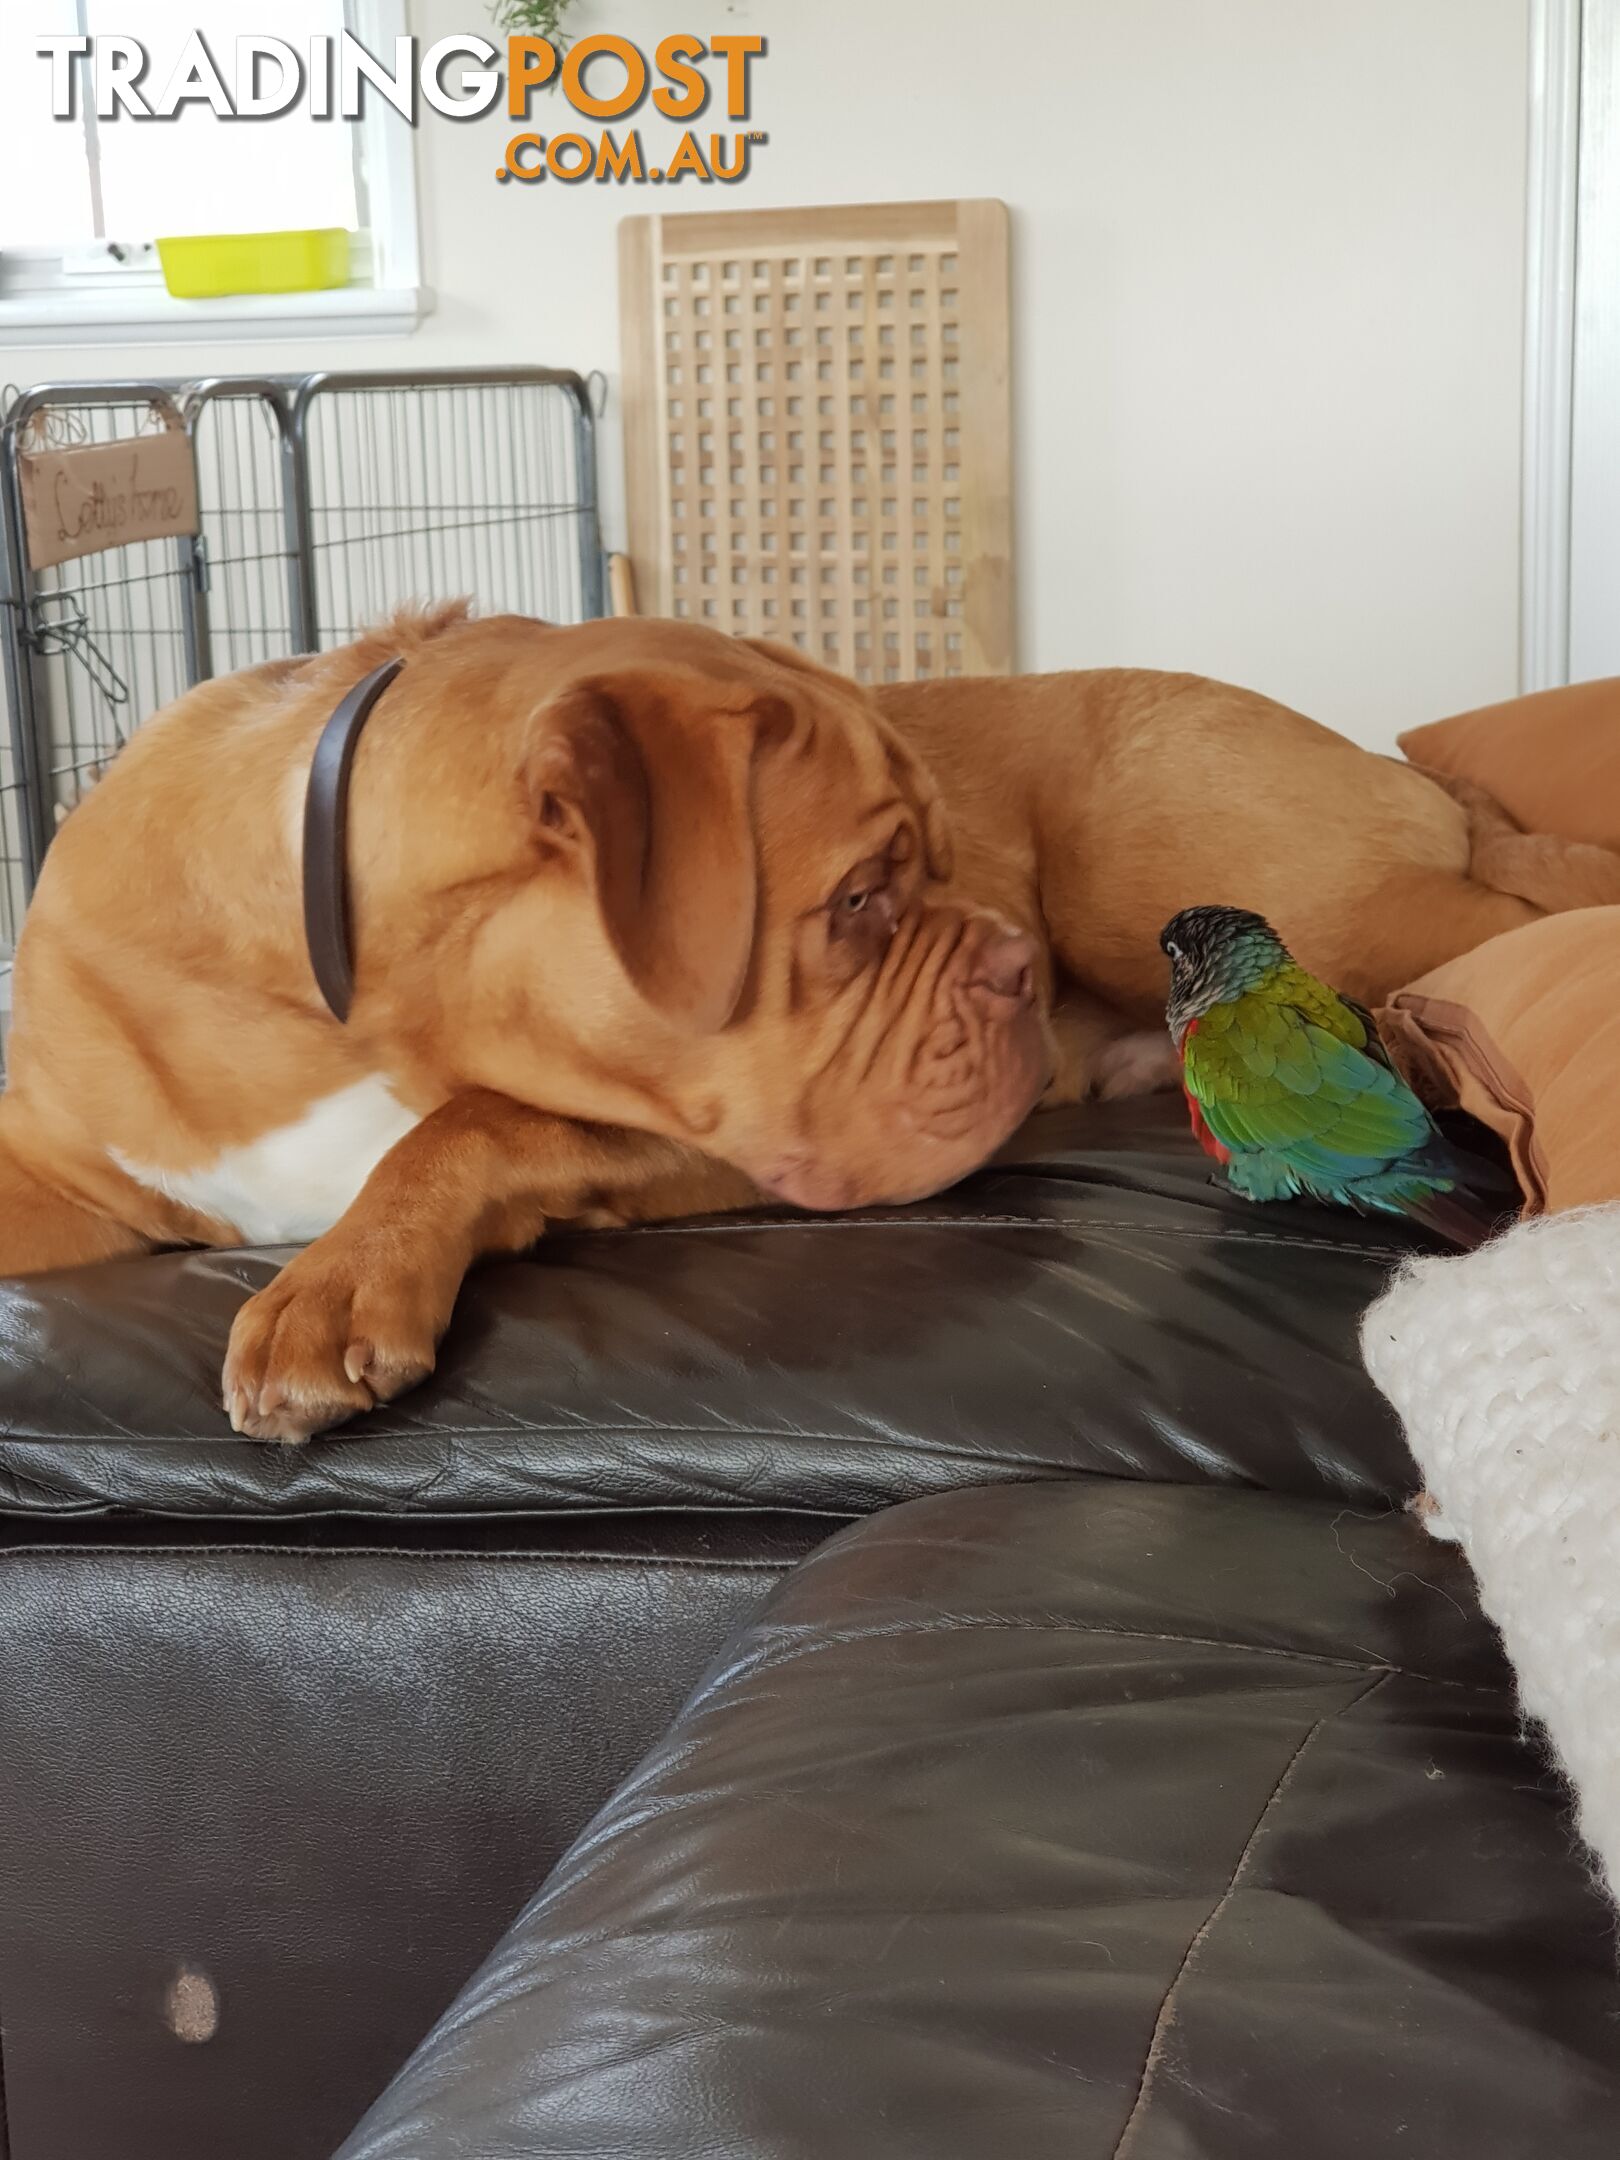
(106, 495)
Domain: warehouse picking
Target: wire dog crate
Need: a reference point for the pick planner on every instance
(247, 552)
(479, 481)
(323, 502)
(92, 644)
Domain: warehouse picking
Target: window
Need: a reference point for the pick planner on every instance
(83, 199)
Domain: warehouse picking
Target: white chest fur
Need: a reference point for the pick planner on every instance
(291, 1184)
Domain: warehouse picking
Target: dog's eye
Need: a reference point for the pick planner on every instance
(1173, 950)
(860, 888)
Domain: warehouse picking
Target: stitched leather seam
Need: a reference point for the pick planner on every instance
(1165, 2020)
(393, 1552)
(770, 1655)
(1073, 1226)
(927, 1450)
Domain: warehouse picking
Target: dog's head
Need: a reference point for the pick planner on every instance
(645, 874)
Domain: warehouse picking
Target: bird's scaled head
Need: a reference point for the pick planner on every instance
(1216, 954)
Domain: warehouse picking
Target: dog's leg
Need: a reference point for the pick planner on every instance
(42, 1228)
(1143, 1062)
(356, 1318)
(1549, 872)
(1417, 919)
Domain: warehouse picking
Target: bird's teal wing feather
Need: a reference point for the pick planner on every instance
(1271, 1078)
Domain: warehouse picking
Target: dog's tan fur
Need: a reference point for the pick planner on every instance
(1107, 801)
(600, 1032)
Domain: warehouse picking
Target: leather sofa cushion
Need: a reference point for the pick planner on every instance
(1069, 1822)
(318, 1772)
(1090, 1303)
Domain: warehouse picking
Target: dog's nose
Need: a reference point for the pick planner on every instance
(1006, 967)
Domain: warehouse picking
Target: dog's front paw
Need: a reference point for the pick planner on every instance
(332, 1336)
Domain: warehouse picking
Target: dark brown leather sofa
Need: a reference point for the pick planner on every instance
(1081, 1752)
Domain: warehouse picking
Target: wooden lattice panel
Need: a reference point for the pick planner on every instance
(818, 431)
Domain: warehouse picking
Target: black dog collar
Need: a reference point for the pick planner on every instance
(326, 841)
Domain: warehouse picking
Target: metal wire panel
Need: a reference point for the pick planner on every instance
(92, 646)
(18, 848)
(429, 486)
(108, 636)
(13, 879)
(246, 485)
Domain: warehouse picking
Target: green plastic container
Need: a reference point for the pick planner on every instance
(208, 266)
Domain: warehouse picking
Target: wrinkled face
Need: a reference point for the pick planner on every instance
(906, 1018)
(715, 905)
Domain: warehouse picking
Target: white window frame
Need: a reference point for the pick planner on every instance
(1594, 527)
(1571, 537)
(46, 297)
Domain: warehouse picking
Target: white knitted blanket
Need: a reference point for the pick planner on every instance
(1505, 1366)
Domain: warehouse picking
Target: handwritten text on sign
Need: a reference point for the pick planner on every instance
(105, 495)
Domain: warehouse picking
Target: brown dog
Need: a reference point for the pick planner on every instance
(647, 920)
(621, 892)
(1100, 804)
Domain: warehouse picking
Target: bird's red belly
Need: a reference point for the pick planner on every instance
(1201, 1132)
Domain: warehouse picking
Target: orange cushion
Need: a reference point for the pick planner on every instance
(1524, 1034)
(1552, 760)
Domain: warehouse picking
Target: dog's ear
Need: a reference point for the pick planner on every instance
(919, 785)
(912, 776)
(645, 777)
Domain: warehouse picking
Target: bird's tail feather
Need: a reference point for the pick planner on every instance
(1481, 1196)
(1464, 1219)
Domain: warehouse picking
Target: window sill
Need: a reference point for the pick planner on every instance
(153, 318)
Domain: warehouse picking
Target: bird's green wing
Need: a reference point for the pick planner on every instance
(1280, 1071)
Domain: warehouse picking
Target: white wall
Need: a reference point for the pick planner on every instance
(1267, 265)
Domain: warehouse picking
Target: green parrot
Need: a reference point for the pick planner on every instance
(1293, 1094)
